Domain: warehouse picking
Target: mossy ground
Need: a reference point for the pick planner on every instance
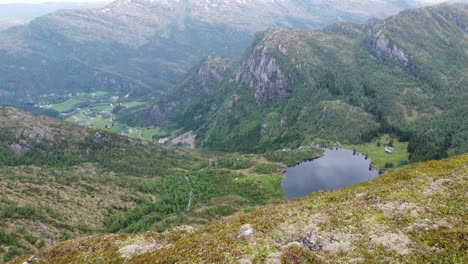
(414, 215)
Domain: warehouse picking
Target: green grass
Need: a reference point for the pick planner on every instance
(148, 133)
(67, 106)
(378, 155)
(100, 123)
(134, 104)
(98, 102)
(100, 107)
(270, 183)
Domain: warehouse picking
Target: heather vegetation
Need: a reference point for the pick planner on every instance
(99, 181)
(410, 215)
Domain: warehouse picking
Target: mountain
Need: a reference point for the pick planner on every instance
(413, 215)
(146, 46)
(345, 84)
(28, 11)
(8, 22)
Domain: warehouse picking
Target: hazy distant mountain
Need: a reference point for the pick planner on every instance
(146, 46)
(7, 22)
(31, 11)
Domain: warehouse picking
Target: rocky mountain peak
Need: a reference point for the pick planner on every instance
(261, 70)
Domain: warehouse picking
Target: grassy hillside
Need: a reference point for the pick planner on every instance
(60, 181)
(414, 215)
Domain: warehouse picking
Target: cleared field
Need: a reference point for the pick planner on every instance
(376, 152)
(133, 104)
(68, 105)
(100, 107)
(96, 112)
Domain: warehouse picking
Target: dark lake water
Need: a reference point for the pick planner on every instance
(338, 168)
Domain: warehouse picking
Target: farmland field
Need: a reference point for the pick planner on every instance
(96, 110)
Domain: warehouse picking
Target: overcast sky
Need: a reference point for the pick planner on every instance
(44, 1)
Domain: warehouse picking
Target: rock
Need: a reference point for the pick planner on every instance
(19, 149)
(140, 246)
(274, 258)
(361, 196)
(382, 47)
(262, 72)
(31, 260)
(393, 241)
(311, 243)
(245, 261)
(246, 231)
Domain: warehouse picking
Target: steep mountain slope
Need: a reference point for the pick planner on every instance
(28, 10)
(59, 181)
(197, 94)
(347, 83)
(414, 215)
(143, 46)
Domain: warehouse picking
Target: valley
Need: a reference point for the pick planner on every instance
(97, 110)
(60, 181)
(212, 131)
(348, 84)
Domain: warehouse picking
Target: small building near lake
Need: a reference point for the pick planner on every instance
(389, 149)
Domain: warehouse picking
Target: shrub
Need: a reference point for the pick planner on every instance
(296, 254)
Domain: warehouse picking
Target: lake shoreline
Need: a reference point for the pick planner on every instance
(335, 169)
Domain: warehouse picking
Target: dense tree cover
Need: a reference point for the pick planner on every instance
(292, 157)
(111, 152)
(174, 195)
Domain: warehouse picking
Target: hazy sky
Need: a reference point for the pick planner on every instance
(47, 1)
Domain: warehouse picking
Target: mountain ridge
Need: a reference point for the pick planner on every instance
(136, 47)
(390, 75)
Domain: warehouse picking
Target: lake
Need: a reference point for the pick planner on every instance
(337, 168)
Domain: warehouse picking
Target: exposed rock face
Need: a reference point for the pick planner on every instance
(209, 72)
(20, 149)
(261, 70)
(202, 81)
(184, 139)
(382, 47)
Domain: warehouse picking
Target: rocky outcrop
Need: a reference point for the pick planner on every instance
(187, 139)
(202, 81)
(261, 70)
(210, 72)
(382, 47)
